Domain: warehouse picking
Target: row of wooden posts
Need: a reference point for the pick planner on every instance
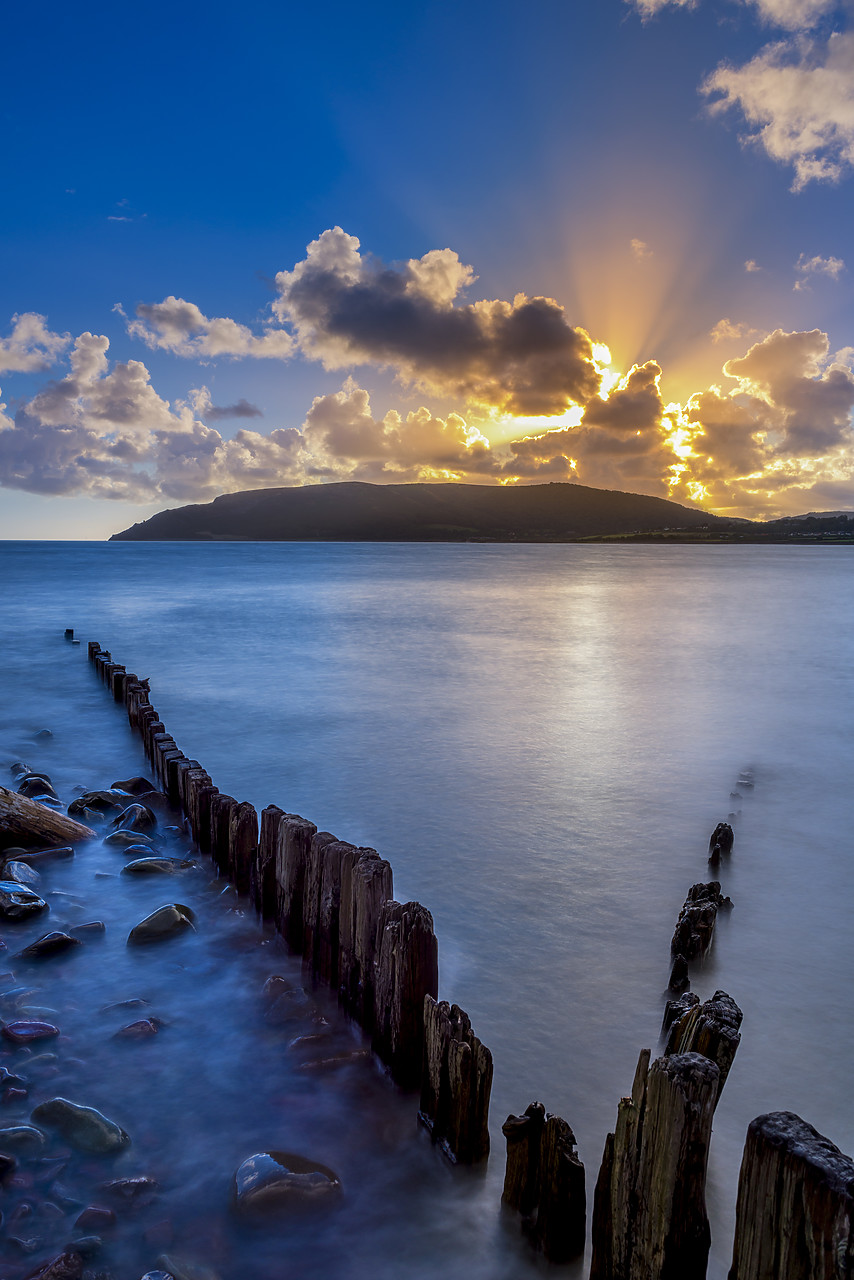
(333, 903)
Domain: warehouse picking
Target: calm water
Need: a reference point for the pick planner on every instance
(540, 739)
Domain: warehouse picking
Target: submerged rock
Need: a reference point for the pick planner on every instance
(136, 817)
(279, 1180)
(163, 923)
(49, 944)
(181, 1269)
(97, 802)
(134, 786)
(151, 866)
(84, 1128)
(21, 873)
(23, 1138)
(138, 1190)
(27, 1030)
(119, 838)
(17, 901)
(66, 1266)
(144, 1029)
(158, 1275)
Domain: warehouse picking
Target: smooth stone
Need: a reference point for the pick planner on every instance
(275, 1180)
(49, 944)
(163, 923)
(91, 929)
(142, 1030)
(119, 838)
(83, 1127)
(8, 1080)
(182, 1269)
(139, 1190)
(34, 788)
(94, 1218)
(97, 802)
(38, 856)
(87, 1246)
(150, 866)
(134, 851)
(8, 1164)
(136, 1003)
(66, 1266)
(22, 1137)
(42, 735)
(136, 817)
(17, 901)
(21, 873)
(18, 769)
(157, 1275)
(25, 1031)
(134, 786)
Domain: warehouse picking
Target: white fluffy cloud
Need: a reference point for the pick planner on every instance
(179, 326)
(31, 346)
(816, 266)
(797, 97)
(791, 15)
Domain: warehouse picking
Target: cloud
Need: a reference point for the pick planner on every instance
(817, 266)
(347, 309)
(641, 250)
(792, 15)
(750, 265)
(797, 97)
(204, 407)
(648, 8)
(180, 327)
(31, 346)
(727, 331)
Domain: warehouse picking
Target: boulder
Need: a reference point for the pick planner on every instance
(278, 1181)
(49, 944)
(83, 1128)
(17, 901)
(165, 922)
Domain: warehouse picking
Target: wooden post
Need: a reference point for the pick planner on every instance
(795, 1212)
(456, 1082)
(407, 970)
(711, 1028)
(649, 1213)
(562, 1218)
(262, 881)
(220, 837)
(242, 844)
(366, 884)
(292, 850)
(695, 926)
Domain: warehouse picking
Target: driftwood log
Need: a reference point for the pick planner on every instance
(544, 1181)
(795, 1210)
(711, 1028)
(26, 824)
(456, 1083)
(649, 1209)
(696, 924)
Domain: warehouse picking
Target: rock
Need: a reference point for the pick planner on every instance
(136, 1003)
(36, 788)
(49, 944)
(279, 1180)
(157, 1275)
(181, 1269)
(23, 1138)
(136, 817)
(134, 851)
(134, 786)
(120, 838)
(25, 1031)
(8, 1164)
(18, 769)
(42, 736)
(95, 1218)
(21, 873)
(8, 1080)
(139, 1190)
(10, 1097)
(142, 1030)
(17, 901)
(66, 1266)
(679, 979)
(151, 866)
(87, 1246)
(163, 923)
(102, 802)
(91, 929)
(38, 856)
(83, 1128)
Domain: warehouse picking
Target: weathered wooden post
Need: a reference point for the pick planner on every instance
(242, 844)
(544, 1181)
(262, 881)
(795, 1212)
(292, 850)
(220, 838)
(456, 1083)
(366, 884)
(407, 970)
(711, 1028)
(696, 924)
(649, 1209)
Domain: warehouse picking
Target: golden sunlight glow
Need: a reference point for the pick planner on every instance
(601, 354)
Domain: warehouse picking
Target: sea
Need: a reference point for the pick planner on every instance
(540, 739)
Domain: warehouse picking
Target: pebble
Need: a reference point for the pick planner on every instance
(21, 872)
(276, 1180)
(163, 923)
(25, 1032)
(142, 1030)
(94, 1218)
(17, 901)
(150, 866)
(182, 1269)
(140, 1189)
(84, 1128)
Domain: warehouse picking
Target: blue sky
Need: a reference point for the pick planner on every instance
(675, 178)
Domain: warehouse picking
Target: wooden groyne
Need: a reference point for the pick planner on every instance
(333, 903)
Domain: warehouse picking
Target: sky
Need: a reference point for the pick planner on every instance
(603, 241)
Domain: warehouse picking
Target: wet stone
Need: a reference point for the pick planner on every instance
(136, 1003)
(165, 922)
(95, 802)
(65, 1266)
(157, 1275)
(36, 788)
(183, 1269)
(136, 817)
(23, 1139)
(21, 873)
(87, 1246)
(119, 838)
(138, 1190)
(280, 1180)
(10, 1080)
(84, 1128)
(17, 901)
(154, 866)
(27, 1031)
(91, 929)
(8, 1164)
(134, 786)
(94, 1218)
(49, 944)
(142, 1030)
